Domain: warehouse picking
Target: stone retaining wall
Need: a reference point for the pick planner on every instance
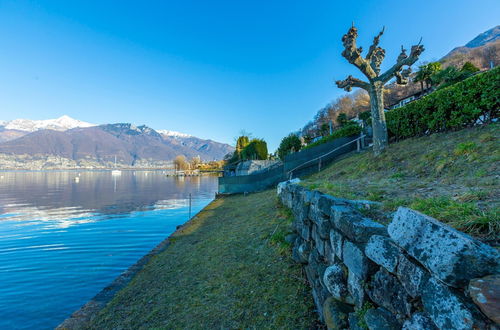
(415, 273)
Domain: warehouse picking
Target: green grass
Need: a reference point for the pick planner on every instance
(230, 267)
(453, 177)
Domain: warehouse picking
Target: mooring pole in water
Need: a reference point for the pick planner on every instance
(189, 206)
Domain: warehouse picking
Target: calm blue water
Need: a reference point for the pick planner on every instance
(63, 239)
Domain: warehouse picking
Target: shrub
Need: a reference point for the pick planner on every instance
(453, 107)
(350, 129)
(288, 145)
(256, 149)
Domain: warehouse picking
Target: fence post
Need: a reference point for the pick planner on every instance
(189, 206)
(358, 146)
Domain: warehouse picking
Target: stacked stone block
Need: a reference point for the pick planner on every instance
(416, 273)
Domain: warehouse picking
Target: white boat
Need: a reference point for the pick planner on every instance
(115, 171)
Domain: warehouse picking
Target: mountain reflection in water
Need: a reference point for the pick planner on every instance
(65, 235)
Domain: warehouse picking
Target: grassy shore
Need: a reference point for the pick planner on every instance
(453, 177)
(229, 267)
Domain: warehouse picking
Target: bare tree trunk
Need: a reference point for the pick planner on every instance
(380, 140)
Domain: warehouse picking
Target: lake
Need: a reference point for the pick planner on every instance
(65, 235)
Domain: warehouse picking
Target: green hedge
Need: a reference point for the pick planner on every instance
(348, 130)
(453, 107)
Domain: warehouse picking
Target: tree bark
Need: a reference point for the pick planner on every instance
(380, 139)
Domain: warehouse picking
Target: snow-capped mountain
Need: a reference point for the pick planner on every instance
(62, 123)
(173, 133)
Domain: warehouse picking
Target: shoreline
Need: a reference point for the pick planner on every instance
(80, 318)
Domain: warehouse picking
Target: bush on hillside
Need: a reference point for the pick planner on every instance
(255, 150)
(454, 107)
(288, 145)
(350, 129)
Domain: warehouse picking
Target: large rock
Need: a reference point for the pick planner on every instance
(300, 252)
(411, 276)
(356, 289)
(448, 310)
(323, 226)
(353, 225)
(336, 243)
(300, 216)
(485, 292)
(336, 314)
(387, 292)
(381, 319)
(284, 184)
(356, 261)
(383, 251)
(319, 241)
(305, 233)
(335, 280)
(419, 321)
(453, 257)
(355, 323)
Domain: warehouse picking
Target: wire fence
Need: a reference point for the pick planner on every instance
(299, 164)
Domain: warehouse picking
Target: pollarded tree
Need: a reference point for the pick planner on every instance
(370, 67)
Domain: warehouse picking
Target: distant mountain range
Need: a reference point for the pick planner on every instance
(483, 50)
(66, 143)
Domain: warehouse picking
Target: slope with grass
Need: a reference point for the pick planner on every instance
(452, 176)
(229, 267)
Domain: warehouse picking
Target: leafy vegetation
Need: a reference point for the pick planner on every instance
(454, 107)
(451, 176)
(228, 268)
(256, 149)
(246, 149)
(289, 144)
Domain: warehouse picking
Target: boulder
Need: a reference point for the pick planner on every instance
(411, 276)
(448, 309)
(325, 203)
(419, 321)
(284, 184)
(355, 323)
(453, 257)
(353, 225)
(381, 319)
(300, 215)
(336, 242)
(336, 314)
(383, 251)
(291, 238)
(356, 261)
(300, 252)
(335, 280)
(305, 233)
(387, 291)
(356, 289)
(323, 227)
(485, 292)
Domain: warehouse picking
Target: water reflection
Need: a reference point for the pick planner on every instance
(66, 235)
(68, 196)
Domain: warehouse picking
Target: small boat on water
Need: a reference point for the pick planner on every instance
(116, 171)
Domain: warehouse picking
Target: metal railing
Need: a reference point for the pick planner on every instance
(298, 164)
(359, 145)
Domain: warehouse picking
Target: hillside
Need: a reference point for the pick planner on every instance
(481, 51)
(451, 176)
(98, 145)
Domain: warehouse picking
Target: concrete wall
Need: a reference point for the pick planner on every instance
(415, 273)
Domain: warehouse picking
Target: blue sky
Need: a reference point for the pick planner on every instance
(208, 68)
